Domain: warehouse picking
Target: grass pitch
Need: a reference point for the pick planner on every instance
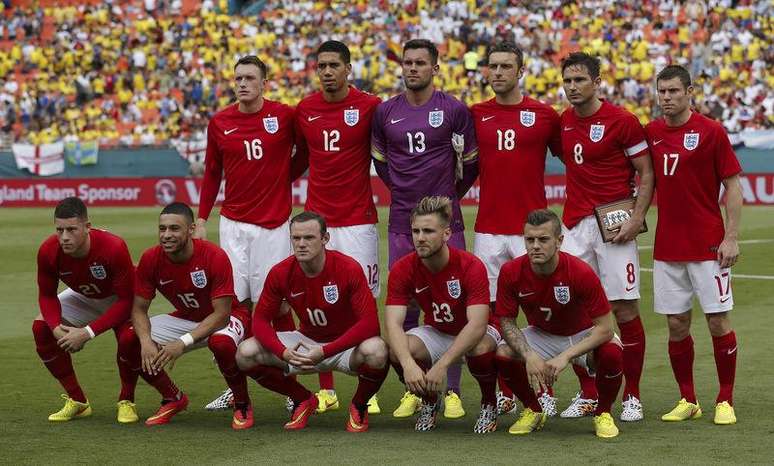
(28, 393)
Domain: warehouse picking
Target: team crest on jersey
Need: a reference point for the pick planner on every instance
(691, 141)
(455, 290)
(199, 278)
(435, 118)
(98, 272)
(351, 116)
(596, 132)
(331, 294)
(527, 118)
(562, 294)
(271, 125)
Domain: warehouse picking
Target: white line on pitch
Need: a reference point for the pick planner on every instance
(733, 275)
(744, 241)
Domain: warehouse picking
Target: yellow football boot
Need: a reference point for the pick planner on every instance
(724, 414)
(605, 426)
(127, 412)
(71, 410)
(683, 411)
(409, 405)
(373, 405)
(529, 421)
(452, 406)
(327, 401)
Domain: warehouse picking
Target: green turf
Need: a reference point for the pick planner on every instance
(28, 393)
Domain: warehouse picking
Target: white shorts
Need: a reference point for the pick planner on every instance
(338, 362)
(438, 343)
(547, 345)
(79, 311)
(675, 284)
(166, 328)
(494, 251)
(360, 242)
(253, 251)
(618, 265)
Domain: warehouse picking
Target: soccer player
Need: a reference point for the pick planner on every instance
(694, 252)
(339, 325)
(514, 133)
(195, 276)
(250, 144)
(603, 146)
(423, 144)
(451, 288)
(333, 126)
(97, 269)
(569, 322)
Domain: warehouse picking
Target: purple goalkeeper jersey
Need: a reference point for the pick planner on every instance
(416, 144)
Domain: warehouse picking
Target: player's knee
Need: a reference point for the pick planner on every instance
(374, 351)
(221, 345)
(625, 310)
(608, 357)
(719, 324)
(247, 354)
(485, 345)
(505, 351)
(679, 325)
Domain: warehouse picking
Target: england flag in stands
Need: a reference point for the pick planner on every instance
(41, 160)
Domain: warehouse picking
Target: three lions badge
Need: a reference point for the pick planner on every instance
(351, 116)
(199, 278)
(98, 271)
(271, 124)
(691, 141)
(331, 294)
(562, 294)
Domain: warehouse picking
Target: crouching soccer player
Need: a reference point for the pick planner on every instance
(339, 327)
(195, 276)
(97, 269)
(450, 285)
(569, 323)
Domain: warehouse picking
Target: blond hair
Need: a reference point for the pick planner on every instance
(434, 205)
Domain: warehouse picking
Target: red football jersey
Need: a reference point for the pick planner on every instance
(335, 307)
(444, 296)
(597, 152)
(106, 271)
(253, 151)
(190, 286)
(563, 303)
(338, 140)
(690, 161)
(512, 144)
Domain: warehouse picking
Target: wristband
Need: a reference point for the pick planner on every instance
(91, 332)
(187, 339)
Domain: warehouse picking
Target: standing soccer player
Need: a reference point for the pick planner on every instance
(451, 288)
(97, 269)
(569, 322)
(603, 146)
(333, 126)
(250, 144)
(514, 133)
(339, 326)
(423, 144)
(693, 252)
(195, 276)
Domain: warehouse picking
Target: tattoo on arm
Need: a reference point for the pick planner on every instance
(514, 337)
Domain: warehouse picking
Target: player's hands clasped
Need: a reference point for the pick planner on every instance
(73, 339)
(553, 367)
(435, 379)
(168, 354)
(728, 253)
(302, 356)
(414, 377)
(148, 353)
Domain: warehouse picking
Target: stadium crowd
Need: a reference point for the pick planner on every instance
(130, 72)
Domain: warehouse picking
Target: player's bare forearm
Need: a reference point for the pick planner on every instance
(469, 336)
(221, 309)
(396, 336)
(140, 320)
(644, 167)
(734, 201)
(514, 337)
(602, 332)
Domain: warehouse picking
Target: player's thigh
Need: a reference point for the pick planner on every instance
(672, 288)
(488, 342)
(619, 269)
(267, 248)
(545, 344)
(235, 330)
(79, 311)
(586, 361)
(360, 242)
(493, 252)
(712, 286)
(432, 343)
(235, 238)
(578, 241)
(166, 328)
(398, 245)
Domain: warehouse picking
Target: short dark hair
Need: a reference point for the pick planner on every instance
(507, 47)
(540, 216)
(423, 44)
(434, 205)
(255, 61)
(71, 207)
(591, 63)
(675, 71)
(179, 208)
(308, 216)
(336, 47)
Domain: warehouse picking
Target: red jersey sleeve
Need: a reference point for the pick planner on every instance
(123, 286)
(593, 295)
(507, 294)
(632, 137)
(399, 287)
(476, 284)
(144, 284)
(213, 173)
(726, 163)
(555, 136)
(364, 306)
(223, 278)
(267, 308)
(48, 281)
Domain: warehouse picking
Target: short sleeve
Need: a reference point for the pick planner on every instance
(632, 137)
(399, 287)
(223, 278)
(476, 283)
(507, 297)
(593, 295)
(144, 284)
(726, 163)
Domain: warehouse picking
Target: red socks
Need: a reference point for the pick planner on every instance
(224, 349)
(681, 357)
(725, 361)
(514, 373)
(482, 367)
(507, 392)
(633, 339)
(587, 382)
(129, 355)
(57, 361)
(369, 381)
(326, 380)
(610, 365)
